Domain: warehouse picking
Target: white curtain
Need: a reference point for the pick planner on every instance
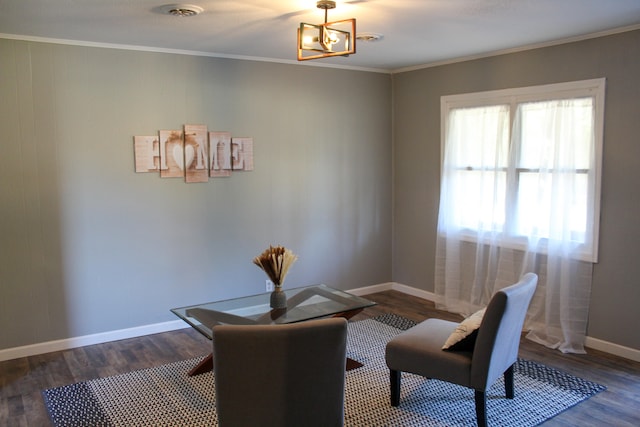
(519, 199)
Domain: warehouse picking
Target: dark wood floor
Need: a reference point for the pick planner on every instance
(22, 380)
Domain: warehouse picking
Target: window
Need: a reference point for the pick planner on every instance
(524, 164)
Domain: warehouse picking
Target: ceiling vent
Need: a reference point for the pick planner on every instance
(182, 10)
(369, 37)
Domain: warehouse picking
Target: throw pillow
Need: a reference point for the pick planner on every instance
(464, 337)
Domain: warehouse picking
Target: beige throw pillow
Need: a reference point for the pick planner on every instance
(464, 337)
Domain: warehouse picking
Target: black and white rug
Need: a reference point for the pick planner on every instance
(167, 396)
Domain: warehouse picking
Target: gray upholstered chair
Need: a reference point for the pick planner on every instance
(419, 349)
(280, 375)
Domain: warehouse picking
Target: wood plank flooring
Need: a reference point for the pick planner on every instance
(22, 380)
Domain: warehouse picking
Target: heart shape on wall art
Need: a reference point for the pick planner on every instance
(183, 162)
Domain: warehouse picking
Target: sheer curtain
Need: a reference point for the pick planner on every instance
(519, 198)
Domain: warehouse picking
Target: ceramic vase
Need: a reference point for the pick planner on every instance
(278, 298)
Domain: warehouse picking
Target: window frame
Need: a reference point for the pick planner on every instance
(594, 88)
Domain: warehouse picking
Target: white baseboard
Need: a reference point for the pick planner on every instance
(593, 343)
(371, 289)
(611, 348)
(69, 343)
(396, 287)
(75, 342)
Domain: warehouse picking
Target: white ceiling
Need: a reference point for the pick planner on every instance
(416, 32)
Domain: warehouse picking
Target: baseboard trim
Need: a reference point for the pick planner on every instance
(81, 341)
(593, 343)
(370, 289)
(611, 348)
(396, 287)
(69, 343)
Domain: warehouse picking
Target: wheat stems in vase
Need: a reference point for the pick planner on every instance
(276, 261)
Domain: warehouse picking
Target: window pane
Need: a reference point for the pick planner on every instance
(541, 215)
(480, 198)
(476, 157)
(554, 154)
(479, 137)
(556, 134)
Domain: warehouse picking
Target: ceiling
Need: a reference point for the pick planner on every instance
(415, 32)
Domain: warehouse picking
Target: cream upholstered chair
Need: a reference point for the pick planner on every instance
(419, 350)
(280, 375)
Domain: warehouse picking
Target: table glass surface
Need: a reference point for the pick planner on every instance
(306, 303)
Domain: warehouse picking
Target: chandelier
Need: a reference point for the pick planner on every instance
(335, 38)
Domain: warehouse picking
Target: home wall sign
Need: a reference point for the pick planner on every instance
(192, 153)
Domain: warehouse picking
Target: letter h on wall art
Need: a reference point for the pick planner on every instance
(192, 153)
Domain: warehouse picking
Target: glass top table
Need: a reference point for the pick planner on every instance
(305, 303)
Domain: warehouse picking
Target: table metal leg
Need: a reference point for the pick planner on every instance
(205, 365)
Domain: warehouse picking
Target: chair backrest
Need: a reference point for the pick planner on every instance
(498, 338)
(280, 375)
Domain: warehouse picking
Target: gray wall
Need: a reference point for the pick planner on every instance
(88, 246)
(616, 288)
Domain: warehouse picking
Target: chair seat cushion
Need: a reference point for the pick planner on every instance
(419, 350)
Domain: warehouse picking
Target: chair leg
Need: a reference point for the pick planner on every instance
(481, 408)
(508, 382)
(394, 382)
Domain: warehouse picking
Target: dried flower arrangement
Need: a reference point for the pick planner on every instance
(276, 261)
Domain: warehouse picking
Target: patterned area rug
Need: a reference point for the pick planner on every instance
(166, 396)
